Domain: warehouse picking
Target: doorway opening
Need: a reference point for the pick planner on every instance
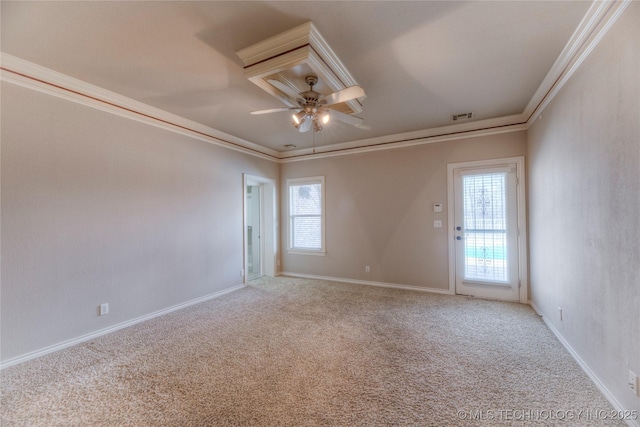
(254, 219)
(260, 227)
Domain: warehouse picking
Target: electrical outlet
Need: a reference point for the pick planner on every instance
(367, 269)
(560, 313)
(633, 382)
(104, 309)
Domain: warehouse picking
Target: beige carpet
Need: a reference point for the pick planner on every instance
(292, 352)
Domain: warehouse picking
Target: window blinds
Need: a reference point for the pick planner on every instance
(485, 227)
(305, 215)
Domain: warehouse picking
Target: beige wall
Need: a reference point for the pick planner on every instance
(379, 210)
(98, 208)
(584, 209)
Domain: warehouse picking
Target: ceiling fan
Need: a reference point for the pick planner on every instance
(313, 108)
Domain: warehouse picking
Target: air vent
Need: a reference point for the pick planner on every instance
(289, 146)
(463, 116)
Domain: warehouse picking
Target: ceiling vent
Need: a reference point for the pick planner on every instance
(463, 116)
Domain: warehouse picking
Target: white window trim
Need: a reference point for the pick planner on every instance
(301, 181)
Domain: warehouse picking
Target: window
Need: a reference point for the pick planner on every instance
(306, 215)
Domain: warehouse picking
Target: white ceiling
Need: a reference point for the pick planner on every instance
(418, 61)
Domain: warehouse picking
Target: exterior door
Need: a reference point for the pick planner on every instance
(486, 232)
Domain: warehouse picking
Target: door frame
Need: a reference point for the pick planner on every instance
(523, 270)
(268, 225)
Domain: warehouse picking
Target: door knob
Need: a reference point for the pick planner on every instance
(458, 238)
(458, 228)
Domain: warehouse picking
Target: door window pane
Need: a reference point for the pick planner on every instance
(485, 226)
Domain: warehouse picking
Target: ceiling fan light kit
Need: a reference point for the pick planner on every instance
(276, 63)
(314, 112)
(302, 120)
(315, 109)
(298, 118)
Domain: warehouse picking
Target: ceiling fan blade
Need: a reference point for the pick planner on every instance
(346, 118)
(344, 95)
(305, 125)
(285, 89)
(272, 110)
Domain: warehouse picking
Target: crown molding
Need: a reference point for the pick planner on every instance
(303, 35)
(332, 150)
(598, 20)
(35, 77)
(478, 128)
(302, 45)
(595, 24)
(327, 54)
(32, 76)
(274, 46)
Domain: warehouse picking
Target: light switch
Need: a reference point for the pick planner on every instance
(437, 223)
(437, 207)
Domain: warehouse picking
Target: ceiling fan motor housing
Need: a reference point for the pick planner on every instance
(312, 101)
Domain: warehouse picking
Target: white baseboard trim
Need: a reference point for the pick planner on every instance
(594, 378)
(366, 282)
(69, 343)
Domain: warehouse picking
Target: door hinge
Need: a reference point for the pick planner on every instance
(519, 284)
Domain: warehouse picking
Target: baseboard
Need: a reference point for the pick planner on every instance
(366, 282)
(69, 343)
(594, 378)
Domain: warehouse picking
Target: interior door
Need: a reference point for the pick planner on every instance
(486, 232)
